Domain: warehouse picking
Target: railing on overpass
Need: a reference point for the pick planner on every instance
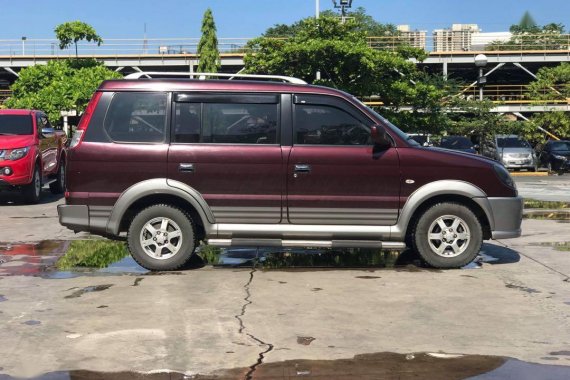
(517, 94)
(168, 46)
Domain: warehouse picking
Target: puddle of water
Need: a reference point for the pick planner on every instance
(64, 259)
(3, 298)
(88, 289)
(559, 246)
(30, 259)
(32, 323)
(547, 215)
(367, 366)
(522, 288)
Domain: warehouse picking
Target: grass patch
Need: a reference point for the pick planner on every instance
(552, 205)
(92, 254)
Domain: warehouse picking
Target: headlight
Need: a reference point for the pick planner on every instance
(560, 157)
(16, 154)
(504, 176)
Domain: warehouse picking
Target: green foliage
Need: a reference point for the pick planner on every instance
(527, 35)
(92, 254)
(210, 254)
(552, 83)
(557, 123)
(361, 19)
(208, 45)
(58, 86)
(74, 31)
(342, 55)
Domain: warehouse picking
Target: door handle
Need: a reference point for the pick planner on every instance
(302, 168)
(186, 168)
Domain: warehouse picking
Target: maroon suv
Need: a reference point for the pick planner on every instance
(172, 162)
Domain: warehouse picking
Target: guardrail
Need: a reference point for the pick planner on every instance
(154, 46)
(516, 94)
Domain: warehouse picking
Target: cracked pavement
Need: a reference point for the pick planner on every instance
(207, 320)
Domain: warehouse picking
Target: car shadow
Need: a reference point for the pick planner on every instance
(497, 254)
(10, 198)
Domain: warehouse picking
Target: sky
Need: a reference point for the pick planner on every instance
(250, 18)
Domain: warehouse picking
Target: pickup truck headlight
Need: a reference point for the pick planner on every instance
(16, 154)
(504, 176)
(560, 157)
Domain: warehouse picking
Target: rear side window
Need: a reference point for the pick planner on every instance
(137, 117)
(226, 123)
(16, 125)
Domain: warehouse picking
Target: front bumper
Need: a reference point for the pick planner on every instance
(21, 173)
(507, 214)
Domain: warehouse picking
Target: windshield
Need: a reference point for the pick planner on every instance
(16, 125)
(512, 142)
(456, 143)
(561, 145)
(397, 130)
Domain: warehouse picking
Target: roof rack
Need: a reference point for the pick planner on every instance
(203, 76)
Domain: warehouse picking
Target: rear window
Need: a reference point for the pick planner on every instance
(16, 125)
(137, 117)
(512, 142)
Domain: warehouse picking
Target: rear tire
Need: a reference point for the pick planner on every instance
(447, 235)
(162, 238)
(58, 186)
(32, 191)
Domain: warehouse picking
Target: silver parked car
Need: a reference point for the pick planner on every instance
(512, 151)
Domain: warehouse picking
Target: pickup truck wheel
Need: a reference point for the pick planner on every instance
(161, 238)
(58, 186)
(448, 235)
(32, 191)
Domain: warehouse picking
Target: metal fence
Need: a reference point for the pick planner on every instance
(163, 46)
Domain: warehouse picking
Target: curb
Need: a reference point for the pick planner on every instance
(529, 174)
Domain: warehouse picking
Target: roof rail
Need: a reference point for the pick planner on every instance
(203, 76)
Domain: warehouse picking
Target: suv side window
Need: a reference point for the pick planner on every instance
(240, 123)
(240, 120)
(137, 117)
(327, 124)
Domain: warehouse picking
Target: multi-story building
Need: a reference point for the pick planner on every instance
(415, 38)
(459, 37)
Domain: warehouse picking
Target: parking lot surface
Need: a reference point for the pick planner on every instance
(241, 322)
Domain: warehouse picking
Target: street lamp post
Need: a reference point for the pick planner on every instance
(343, 5)
(481, 61)
(24, 45)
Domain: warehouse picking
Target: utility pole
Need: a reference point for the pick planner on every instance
(317, 15)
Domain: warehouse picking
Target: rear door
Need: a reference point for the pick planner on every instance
(335, 175)
(226, 146)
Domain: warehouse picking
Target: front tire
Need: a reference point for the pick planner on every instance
(161, 238)
(33, 191)
(447, 235)
(58, 186)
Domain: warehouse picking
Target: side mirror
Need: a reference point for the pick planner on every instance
(48, 132)
(380, 137)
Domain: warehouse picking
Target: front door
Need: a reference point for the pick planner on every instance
(226, 147)
(335, 175)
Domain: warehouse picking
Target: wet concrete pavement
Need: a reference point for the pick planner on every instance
(24, 223)
(218, 321)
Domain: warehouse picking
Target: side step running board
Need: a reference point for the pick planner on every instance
(391, 245)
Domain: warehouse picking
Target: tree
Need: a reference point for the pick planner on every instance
(527, 35)
(208, 45)
(552, 83)
(363, 22)
(346, 61)
(74, 31)
(58, 86)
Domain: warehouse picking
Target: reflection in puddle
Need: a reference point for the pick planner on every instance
(64, 259)
(367, 366)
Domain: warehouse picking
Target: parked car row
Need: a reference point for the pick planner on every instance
(514, 152)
